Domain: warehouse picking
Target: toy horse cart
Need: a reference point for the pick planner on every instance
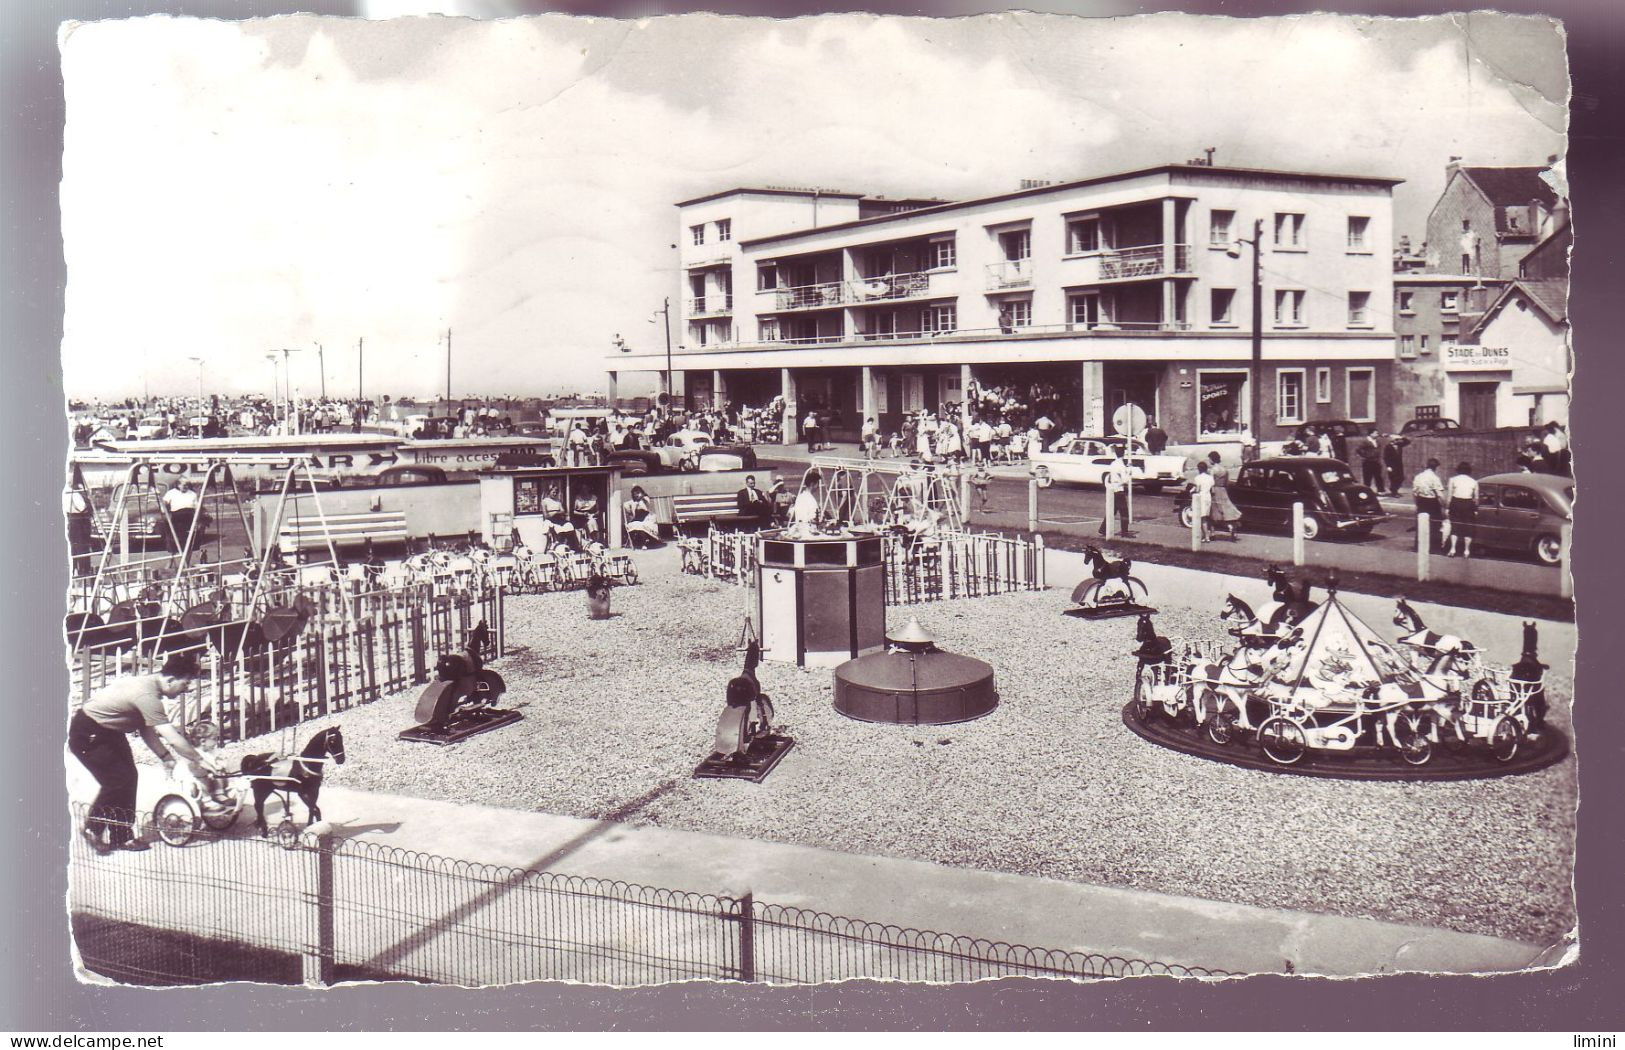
(211, 802)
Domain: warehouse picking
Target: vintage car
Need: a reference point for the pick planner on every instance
(152, 428)
(1525, 512)
(1429, 426)
(1333, 501)
(727, 457)
(683, 448)
(1084, 461)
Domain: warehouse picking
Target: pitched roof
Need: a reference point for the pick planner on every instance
(1549, 296)
(1504, 187)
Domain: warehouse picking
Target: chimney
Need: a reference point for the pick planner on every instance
(1452, 167)
(1551, 158)
(1405, 243)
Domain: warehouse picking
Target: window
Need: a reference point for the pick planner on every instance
(770, 331)
(1289, 307)
(1289, 229)
(1466, 263)
(944, 254)
(1224, 303)
(1082, 235)
(1519, 498)
(913, 393)
(1407, 302)
(1289, 396)
(725, 229)
(1466, 225)
(1223, 405)
(1358, 224)
(767, 276)
(1422, 345)
(882, 395)
(1362, 389)
(698, 233)
(1218, 228)
(1083, 310)
(1407, 346)
(1450, 302)
(1359, 309)
(1015, 313)
(1017, 245)
(1323, 386)
(942, 318)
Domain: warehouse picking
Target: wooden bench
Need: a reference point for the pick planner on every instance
(307, 532)
(722, 507)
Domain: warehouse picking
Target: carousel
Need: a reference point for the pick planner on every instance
(1316, 690)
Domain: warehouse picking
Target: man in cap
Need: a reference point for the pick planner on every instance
(97, 737)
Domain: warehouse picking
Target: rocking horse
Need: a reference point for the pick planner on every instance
(745, 747)
(459, 703)
(1111, 591)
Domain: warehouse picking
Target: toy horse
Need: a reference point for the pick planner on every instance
(462, 684)
(1154, 648)
(1444, 649)
(1293, 605)
(748, 714)
(301, 776)
(1104, 570)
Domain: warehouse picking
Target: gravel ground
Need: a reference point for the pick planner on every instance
(618, 712)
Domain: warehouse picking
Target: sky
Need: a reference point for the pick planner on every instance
(232, 189)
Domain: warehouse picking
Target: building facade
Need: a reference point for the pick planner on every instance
(1130, 289)
(1512, 368)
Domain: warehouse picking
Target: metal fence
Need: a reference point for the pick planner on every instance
(332, 910)
(930, 568)
(355, 647)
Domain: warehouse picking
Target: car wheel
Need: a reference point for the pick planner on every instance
(1549, 549)
(1311, 527)
(1186, 516)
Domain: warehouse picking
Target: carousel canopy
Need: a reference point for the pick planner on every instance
(1337, 648)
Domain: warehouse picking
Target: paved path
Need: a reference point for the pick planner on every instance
(991, 905)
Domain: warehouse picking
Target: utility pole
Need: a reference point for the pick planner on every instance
(199, 362)
(360, 360)
(448, 371)
(1256, 379)
(321, 363)
(287, 388)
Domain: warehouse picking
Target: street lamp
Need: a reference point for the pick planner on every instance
(1255, 416)
(665, 311)
(199, 362)
(287, 388)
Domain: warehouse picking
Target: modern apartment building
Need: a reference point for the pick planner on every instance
(1127, 288)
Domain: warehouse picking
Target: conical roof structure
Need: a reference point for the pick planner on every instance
(912, 636)
(1339, 650)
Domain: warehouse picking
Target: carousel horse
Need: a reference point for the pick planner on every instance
(1294, 605)
(1446, 651)
(1105, 570)
(300, 776)
(461, 684)
(1154, 648)
(1531, 673)
(1268, 623)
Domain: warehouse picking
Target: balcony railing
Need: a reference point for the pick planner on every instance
(1011, 273)
(889, 287)
(806, 296)
(711, 305)
(1147, 260)
(803, 340)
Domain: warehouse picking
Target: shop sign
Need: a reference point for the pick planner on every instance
(1477, 359)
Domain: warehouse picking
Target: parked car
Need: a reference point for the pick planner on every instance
(683, 448)
(635, 462)
(152, 428)
(1525, 513)
(1347, 429)
(391, 477)
(727, 457)
(1429, 426)
(1333, 500)
(1085, 459)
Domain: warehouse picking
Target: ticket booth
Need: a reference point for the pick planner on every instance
(511, 502)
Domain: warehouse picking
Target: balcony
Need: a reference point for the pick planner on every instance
(804, 296)
(1139, 262)
(1012, 273)
(889, 287)
(711, 305)
(803, 340)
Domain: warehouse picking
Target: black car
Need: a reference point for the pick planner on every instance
(1429, 426)
(1334, 502)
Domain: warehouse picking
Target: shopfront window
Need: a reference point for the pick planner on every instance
(1222, 410)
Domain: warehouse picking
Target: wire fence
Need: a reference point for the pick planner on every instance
(330, 910)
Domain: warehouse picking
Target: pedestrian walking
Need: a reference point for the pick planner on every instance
(1116, 481)
(1202, 500)
(980, 481)
(1156, 438)
(1393, 461)
(1427, 489)
(871, 439)
(1462, 491)
(1223, 514)
(1369, 452)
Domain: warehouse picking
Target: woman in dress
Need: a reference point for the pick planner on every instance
(1225, 514)
(641, 528)
(584, 514)
(553, 512)
(1202, 500)
(1462, 492)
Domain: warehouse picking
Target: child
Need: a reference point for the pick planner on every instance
(980, 481)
